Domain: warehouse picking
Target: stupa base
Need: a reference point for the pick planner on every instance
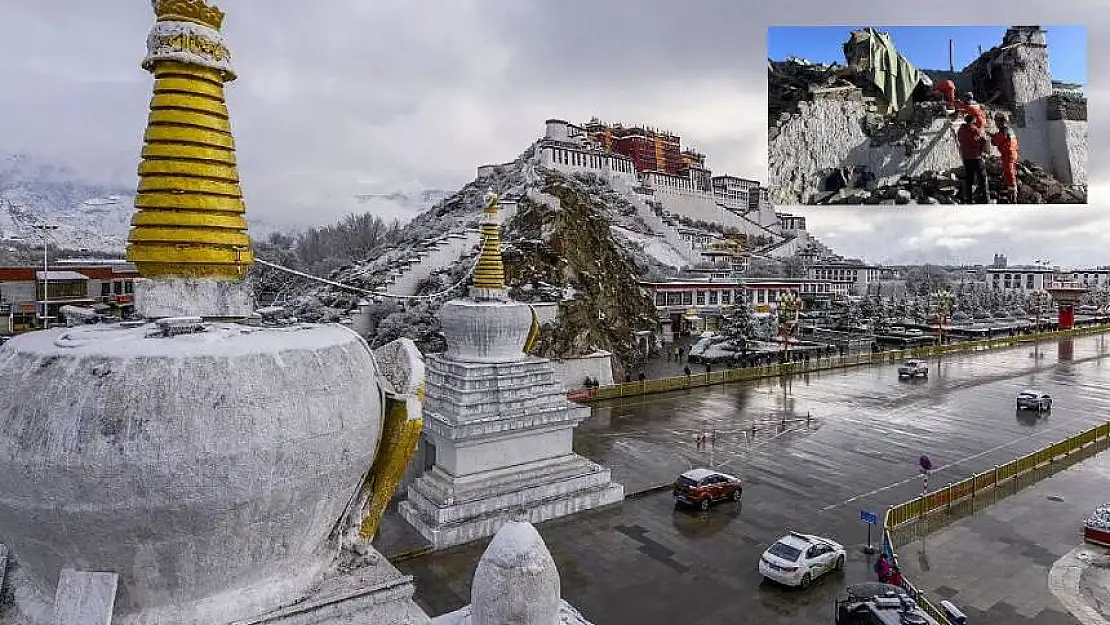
(376, 593)
(449, 510)
(159, 298)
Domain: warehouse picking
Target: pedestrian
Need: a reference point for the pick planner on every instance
(896, 578)
(1007, 143)
(947, 91)
(680, 352)
(641, 377)
(708, 368)
(882, 568)
(686, 370)
(973, 108)
(973, 142)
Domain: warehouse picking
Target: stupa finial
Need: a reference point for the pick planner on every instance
(489, 277)
(191, 217)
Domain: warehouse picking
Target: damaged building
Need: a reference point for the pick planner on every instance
(873, 130)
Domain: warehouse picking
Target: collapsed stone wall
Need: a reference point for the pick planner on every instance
(829, 134)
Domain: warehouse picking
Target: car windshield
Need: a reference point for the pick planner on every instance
(785, 551)
(1028, 394)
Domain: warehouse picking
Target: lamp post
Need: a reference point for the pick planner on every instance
(789, 304)
(43, 230)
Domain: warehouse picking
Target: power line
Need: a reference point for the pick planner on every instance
(356, 289)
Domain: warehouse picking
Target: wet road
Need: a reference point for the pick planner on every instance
(644, 561)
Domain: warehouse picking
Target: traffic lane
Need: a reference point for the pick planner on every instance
(869, 428)
(650, 561)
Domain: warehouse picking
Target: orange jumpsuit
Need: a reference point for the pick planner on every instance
(947, 88)
(978, 112)
(1007, 143)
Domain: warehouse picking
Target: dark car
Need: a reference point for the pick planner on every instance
(702, 487)
(879, 604)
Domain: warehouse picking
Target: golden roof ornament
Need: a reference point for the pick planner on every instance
(190, 220)
(489, 275)
(195, 11)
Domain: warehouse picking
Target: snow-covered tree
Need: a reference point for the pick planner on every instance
(740, 327)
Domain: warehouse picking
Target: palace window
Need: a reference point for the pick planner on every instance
(701, 298)
(687, 298)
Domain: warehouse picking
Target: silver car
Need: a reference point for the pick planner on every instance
(913, 368)
(1030, 399)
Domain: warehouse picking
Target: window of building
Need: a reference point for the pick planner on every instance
(712, 298)
(660, 298)
(701, 298)
(726, 297)
(117, 288)
(1029, 281)
(105, 289)
(687, 298)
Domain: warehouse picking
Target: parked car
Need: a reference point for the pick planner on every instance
(1030, 399)
(798, 559)
(703, 487)
(897, 330)
(913, 368)
(915, 332)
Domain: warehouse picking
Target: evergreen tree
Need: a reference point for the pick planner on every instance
(740, 328)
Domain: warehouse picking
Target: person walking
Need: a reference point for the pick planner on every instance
(973, 142)
(641, 377)
(882, 568)
(1005, 140)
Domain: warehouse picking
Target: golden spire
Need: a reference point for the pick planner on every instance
(190, 221)
(489, 276)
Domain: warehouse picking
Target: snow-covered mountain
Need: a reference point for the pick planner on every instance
(404, 205)
(88, 215)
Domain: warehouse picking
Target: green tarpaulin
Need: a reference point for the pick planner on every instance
(873, 52)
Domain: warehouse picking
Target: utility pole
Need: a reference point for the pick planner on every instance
(952, 55)
(43, 229)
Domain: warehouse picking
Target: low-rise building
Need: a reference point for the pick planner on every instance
(862, 276)
(31, 296)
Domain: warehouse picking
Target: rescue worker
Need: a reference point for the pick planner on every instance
(1005, 139)
(947, 90)
(973, 142)
(970, 107)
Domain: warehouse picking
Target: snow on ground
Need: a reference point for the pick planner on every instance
(657, 248)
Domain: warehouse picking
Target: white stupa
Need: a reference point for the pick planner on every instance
(499, 420)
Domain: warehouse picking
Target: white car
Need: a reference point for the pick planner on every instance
(798, 559)
(915, 332)
(1030, 399)
(913, 368)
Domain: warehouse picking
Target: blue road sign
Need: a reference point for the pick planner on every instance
(869, 518)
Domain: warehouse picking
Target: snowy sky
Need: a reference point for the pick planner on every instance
(345, 97)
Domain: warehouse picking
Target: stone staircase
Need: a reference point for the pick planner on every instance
(439, 254)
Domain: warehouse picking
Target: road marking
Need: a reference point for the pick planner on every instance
(941, 468)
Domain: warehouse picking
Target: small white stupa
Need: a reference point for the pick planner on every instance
(499, 420)
(516, 584)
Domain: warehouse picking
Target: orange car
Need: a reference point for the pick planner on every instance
(702, 487)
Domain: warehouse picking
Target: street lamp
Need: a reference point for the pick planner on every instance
(43, 230)
(789, 304)
(1037, 301)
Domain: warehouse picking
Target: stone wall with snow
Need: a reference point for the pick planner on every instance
(828, 133)
(572, 372)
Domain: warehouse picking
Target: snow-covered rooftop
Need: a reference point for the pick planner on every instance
(60, 275)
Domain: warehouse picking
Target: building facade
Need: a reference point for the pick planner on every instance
(31, 296)
(860, 275)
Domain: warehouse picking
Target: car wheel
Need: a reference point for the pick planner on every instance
(806, 579)
(839, 563)
(737, 494)
(704, 505)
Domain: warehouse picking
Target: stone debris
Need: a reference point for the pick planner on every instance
(1100, 519)
(794, 81)
(1035, 186)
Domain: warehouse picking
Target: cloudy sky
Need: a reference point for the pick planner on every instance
(345, 97)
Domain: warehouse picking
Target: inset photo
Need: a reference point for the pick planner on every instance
(927, 115)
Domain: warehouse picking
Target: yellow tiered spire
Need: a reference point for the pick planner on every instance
(191, 217)
(489, 276)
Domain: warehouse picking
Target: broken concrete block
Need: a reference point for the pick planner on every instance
(85, 598)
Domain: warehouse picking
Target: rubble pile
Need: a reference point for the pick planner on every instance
(1035, 186)
(1100, 519)
(793, 81)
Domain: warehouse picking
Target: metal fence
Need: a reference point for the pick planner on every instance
(942, 499)
(663, 385)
